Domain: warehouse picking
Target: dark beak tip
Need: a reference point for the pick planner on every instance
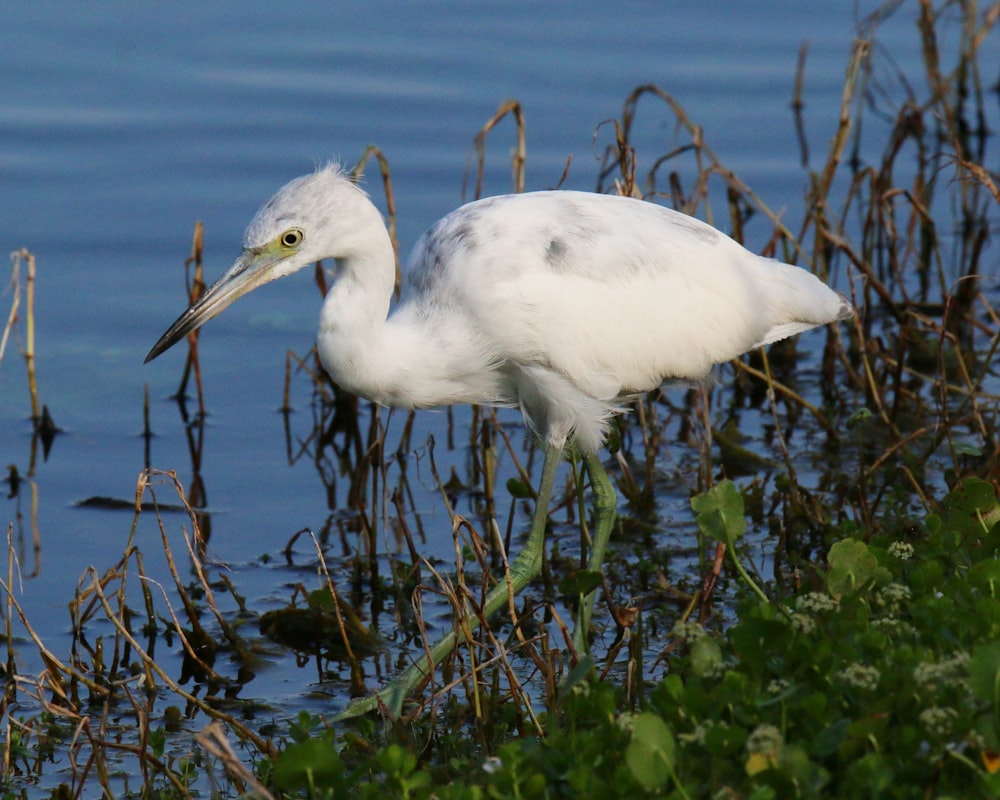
(213, 301)
(165, 343)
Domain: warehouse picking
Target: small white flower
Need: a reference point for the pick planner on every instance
(492, 764)
(948, 671)
(802, 623)
(697, 736)
(892, 626)
(816, 602)
(894, 595)
(626, 721)
(901, 550)
(860, 676)
(938, 721)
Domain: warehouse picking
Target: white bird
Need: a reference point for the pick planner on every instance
(562, 303)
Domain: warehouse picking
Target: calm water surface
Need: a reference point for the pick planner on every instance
(122, 124)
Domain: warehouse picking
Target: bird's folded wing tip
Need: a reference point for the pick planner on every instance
(846, 310)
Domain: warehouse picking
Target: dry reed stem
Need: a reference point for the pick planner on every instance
(707, 164)
(340, 608)
(824, 183)
(798, 105)
(9, 692)
(101, 742)
(195, 289)
(390, 200)
(214, 740)
(55, 670)
(15, 303)
(237, 643)
(464, 608)
(263, 745)
(518, 694)
(29, 334)
(457, 522)
(18, 257)
(192, 615)
(518, 155)
(777, 387)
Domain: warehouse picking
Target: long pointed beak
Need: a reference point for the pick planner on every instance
(250, 270)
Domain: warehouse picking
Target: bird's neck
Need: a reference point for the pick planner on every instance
(354, 312)
(420, 356)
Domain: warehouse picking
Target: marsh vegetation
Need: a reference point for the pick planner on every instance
(801, 598)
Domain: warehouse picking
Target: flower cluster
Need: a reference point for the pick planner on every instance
(891, 626)
(938, 721)
(948, 672)
(816, 603)
(802, 623)
(893, 597)
(901, 550)
(860, 676)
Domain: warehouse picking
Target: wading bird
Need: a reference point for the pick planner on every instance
(562, 303)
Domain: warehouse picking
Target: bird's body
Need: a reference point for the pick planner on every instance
(562, 303)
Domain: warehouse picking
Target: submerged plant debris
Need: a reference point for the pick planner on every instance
(823, 622)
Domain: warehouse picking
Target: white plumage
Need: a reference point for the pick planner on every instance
(562, 303)
(566, 303)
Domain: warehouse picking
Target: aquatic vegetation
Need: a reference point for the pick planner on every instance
(822, 621)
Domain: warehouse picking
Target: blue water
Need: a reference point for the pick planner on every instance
(123, 123)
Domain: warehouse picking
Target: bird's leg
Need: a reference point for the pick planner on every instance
(525, 568)
(529, 560)
(605, 504)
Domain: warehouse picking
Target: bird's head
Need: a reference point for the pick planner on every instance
(308, 219)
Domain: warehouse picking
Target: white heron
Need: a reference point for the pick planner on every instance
(562, 303)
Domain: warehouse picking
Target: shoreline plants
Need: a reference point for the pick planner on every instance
(823, 623)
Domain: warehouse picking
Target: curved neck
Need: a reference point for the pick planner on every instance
(425, 354)
(357, 304)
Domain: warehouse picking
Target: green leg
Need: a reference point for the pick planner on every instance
(605, 504)
(525, 568)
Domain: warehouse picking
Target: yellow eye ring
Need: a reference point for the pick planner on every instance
(292, 237)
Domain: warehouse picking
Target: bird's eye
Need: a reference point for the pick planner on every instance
(292, 237)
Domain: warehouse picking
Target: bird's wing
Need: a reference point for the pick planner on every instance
(614, 293)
